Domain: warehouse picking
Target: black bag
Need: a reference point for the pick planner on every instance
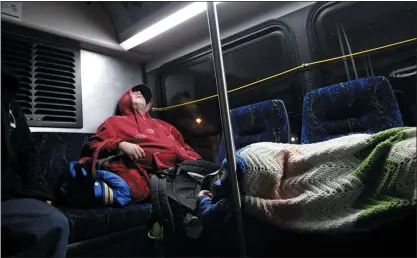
(174, 196)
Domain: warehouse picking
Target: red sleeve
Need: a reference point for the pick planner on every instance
(178, 136)
(104, 135)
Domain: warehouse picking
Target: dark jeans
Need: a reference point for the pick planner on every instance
(33, 228)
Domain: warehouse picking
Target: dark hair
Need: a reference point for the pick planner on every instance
(117, 110)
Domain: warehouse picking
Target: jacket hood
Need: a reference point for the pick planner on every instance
(126, 103)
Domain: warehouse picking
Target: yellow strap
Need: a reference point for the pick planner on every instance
(111, 196)
(106, 194)
(288, 71)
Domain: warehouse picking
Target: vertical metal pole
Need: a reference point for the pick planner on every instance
(225, 119)
(350, 50)
(343, 51)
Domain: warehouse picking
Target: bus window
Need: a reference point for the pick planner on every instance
(247, 60)
(373, 25)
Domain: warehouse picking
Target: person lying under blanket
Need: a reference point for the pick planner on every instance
(355, 182)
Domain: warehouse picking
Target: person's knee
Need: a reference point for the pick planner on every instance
(41, 232)
(53, 240)
(58, 222)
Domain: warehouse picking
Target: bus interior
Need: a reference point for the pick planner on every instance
(75, 59)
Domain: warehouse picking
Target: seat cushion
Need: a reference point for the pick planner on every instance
(366, 105)
(90, 223)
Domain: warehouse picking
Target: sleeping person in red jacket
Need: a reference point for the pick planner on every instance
(135, 143)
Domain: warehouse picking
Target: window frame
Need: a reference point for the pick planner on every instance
(317, 33)
(232, 43)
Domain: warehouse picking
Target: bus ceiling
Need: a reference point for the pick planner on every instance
(104, 26)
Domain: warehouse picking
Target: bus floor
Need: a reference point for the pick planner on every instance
(263, 240)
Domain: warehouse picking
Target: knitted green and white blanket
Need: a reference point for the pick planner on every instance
(355, 182)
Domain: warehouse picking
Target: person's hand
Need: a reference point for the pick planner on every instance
(133, 151)
(205, 192)
(49, 202)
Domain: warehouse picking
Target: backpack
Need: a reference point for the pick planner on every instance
(174, 197)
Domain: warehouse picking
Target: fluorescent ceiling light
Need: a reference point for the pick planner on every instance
(163, 25)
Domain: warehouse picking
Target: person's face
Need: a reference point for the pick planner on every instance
(138, 100)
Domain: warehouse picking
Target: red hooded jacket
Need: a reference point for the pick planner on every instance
(163, 144)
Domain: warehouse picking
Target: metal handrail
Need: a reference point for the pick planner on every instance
(225, 120)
